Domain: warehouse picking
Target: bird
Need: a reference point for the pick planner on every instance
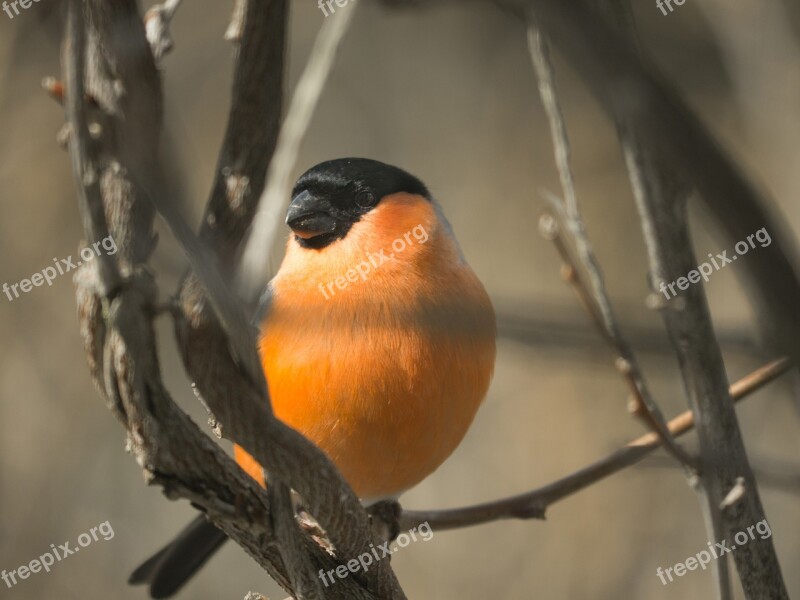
(377, 340)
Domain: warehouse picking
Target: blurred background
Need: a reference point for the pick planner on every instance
(450, 95)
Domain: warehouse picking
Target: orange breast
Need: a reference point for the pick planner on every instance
(386, 372)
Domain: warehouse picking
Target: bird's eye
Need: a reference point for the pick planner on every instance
(365, 199)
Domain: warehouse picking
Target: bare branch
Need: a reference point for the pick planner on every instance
(120, 342)
(533, 504)
(83, 150)
(634, 91)
(241, 404)
(652, 418)
(595, 297)
(255, 263)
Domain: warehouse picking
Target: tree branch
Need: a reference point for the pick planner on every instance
(255, 263)
(119, 340)
(532, 504)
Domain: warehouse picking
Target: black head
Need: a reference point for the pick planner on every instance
(330, 197)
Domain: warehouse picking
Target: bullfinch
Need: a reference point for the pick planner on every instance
(376, 337)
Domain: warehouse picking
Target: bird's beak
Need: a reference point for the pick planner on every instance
(308, 217)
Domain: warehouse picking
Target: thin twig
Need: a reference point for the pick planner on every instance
(533, 504)
(550, 230)
(82, 149)
(545, 325)
(595, 296)
(634, 90)
(256, 262)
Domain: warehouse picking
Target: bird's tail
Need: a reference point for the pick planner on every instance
(172, 566)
